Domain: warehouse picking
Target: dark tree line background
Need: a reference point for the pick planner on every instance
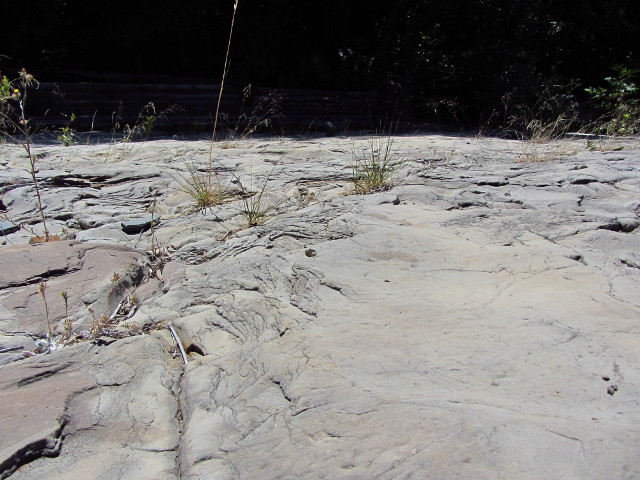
(466, 57)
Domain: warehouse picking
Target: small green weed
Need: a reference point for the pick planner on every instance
(143, 125)
(604, 144)
(67, 134)
(620, 102)
(147, 124)
(147, 120)
(42, 288)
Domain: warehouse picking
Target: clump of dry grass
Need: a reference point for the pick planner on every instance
(205, 188)
(536, 152)
(605, 144)
(255, 207)
(374, 164)
(543, 126)
(544, 140)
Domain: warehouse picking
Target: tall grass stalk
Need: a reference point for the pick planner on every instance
(201, 187)
(225, 70)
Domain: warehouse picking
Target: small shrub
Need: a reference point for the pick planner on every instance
(67, 136)
(7, 92)
(620, 103)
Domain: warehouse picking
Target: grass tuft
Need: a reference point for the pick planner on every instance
(374, 164)
(549, 151)
(204, 188)
(255, 208)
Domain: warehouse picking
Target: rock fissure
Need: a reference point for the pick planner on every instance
(44, 276)
(281, 388)
(401, 461)
(41, 375)
(46, 447)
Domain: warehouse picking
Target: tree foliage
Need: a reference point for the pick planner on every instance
(475, 56)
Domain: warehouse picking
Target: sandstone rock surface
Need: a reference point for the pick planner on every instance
(94, 276)
(479, 320)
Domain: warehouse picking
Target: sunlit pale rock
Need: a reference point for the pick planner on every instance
(478, 320)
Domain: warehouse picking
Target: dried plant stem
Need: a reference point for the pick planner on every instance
(179, 343)
(117, 310)
(224, 76)
(42, 287)
(23, 126)
(32, 172)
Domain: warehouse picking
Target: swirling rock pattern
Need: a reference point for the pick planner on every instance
(469, 323)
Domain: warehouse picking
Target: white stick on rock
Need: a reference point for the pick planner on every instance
(177, 339)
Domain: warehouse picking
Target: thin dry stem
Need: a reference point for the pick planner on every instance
(43, 292)
(224, 76)
(22, 125)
